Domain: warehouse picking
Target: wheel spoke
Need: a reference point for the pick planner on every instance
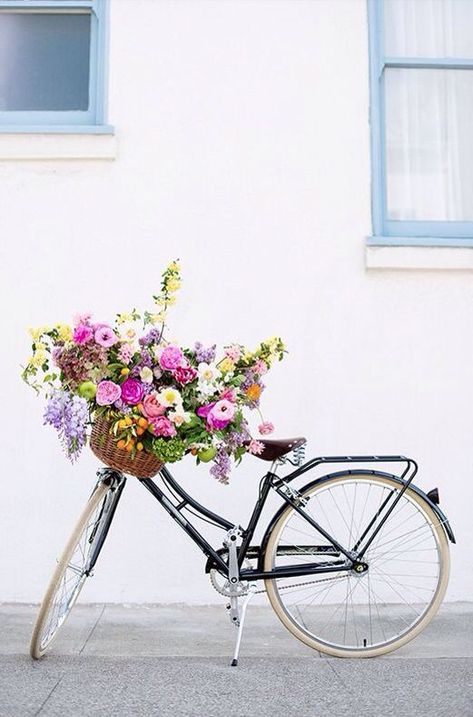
(380, 605)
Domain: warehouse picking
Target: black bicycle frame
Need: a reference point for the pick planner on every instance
(280, 484)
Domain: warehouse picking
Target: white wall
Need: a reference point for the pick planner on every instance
(243, 142)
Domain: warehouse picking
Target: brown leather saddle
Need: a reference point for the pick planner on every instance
(275, 448)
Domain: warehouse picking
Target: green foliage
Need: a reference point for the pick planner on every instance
(168, 450)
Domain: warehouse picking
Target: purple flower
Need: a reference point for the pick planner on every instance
(204, 355)
(107, 393)
(82, 334)
(132, 391)
(104, 336)
(222, 466)
(150, 338)
(171, 358)
(203, 411)
(69, 415)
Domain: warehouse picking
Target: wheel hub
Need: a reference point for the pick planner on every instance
(359, 568)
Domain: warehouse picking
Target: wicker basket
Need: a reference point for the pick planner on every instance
(143, 465)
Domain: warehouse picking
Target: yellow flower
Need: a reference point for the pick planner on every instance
(125, 318)
(173, 284)
(64, 332)
(36, 333)
(38, 358)
(226, 365)
(173, 266)
(247, 356)
(130, 334)
(160, 300)
(171, 300)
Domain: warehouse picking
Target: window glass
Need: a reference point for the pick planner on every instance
(429, 144)
(44, 61)
(428, 28)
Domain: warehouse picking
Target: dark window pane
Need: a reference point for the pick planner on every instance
(44, 61)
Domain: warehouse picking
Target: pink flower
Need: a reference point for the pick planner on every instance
(223, 410)
(104, 336)
(260, 367)
(265, 428)
(255, 447)
(82, 334)
(203, 411)
(185, 374)
(218, 414)
(81, 318)
(132, 391)
(107, 393)
(233, 352)
(162, 426)
(171, 358)
(125, 354)
(229, 395)
(151, 406)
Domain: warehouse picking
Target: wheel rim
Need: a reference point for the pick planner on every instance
(344, 611)
(72, 578)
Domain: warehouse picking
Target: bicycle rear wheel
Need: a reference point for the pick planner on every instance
(74, 566)
(343, 613)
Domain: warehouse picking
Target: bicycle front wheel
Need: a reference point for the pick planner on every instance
(349, 614)
(73, 568)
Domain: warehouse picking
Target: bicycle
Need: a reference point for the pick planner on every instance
(355, 563)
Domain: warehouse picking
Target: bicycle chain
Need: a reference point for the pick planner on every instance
(282, 587)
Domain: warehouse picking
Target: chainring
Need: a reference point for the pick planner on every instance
(222, 585)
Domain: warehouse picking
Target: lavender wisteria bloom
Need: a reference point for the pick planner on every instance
(222, 466)
(204, 355)
(69, 415)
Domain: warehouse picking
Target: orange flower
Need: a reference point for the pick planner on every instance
(253, 392)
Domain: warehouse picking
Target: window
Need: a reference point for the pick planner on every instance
(52, 65)
(421, 67)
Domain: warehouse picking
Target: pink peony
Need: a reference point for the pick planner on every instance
(151, 406)
(185, 374)
(171, 358)
(162, 426)
(265, 428)
(104, 336)
(132, 391)
(107, 393)
(82, 334)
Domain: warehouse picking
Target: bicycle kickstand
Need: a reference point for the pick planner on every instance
(252, 590)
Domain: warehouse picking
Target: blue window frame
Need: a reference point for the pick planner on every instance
(418, 176)
(53, 66)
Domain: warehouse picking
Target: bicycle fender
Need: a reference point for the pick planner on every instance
(323, 479)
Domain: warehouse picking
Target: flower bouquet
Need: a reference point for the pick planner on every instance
(149, 401)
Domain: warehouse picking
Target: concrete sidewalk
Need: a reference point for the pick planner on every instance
(174, 660)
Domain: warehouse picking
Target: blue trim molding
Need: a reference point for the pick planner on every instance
(387, 232)
(92, 120)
